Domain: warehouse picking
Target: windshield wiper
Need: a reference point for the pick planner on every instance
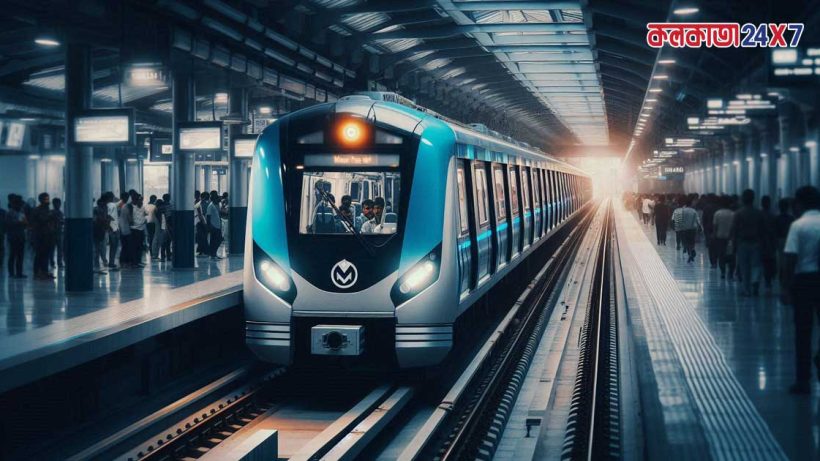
(347, 221)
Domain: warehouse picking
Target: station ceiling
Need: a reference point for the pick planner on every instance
(562, 75)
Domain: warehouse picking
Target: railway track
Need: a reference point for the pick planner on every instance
(470, 419)
(593, 429)
(466, 424)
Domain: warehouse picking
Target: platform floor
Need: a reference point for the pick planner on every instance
(44, 330)
(755, 341)
(27, 304)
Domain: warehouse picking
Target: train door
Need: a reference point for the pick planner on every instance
(526, 204)
(464, 241)
(559, 185)
(536, 200)
(565, 191)
(515, 222)
(545, 200)
(483, 227)
(502, 228)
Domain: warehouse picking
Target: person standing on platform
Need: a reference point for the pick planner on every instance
(58, 243)
(150, 223)
(748, 236)
(101, 228)
(721, 232)
(158, 242)
(710, 207)
(214, 222)
(126, 261)
(16, 223)
(169, 225)
(687, 223)
(802, 281)
(44, 235)
(768, 258)
(138, 220)
(781, 230)
(113, 232)
(646, 209)
(201, 225)
(662, 216)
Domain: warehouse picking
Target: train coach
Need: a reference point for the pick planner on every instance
(373, 224)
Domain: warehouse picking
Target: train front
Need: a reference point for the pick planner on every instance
(344, 245)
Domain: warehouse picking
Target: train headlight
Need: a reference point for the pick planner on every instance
(418, 277)
(272, 276)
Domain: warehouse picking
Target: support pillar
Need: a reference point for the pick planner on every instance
(791, 132)
(184, 110)
(238, 179)
(106, 175)
(207, 179)
(78, 209)
(132, 175)
(742, 166)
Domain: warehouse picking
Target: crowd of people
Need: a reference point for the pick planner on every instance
(124, 231)
(753, 245)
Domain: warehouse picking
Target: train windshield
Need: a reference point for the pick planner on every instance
(344, 202)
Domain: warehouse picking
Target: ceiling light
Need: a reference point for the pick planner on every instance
(221, 98)
(655, 90)
(27, 119)
(46, 41)
(652, 100)
(265, 110)
(660, 77)
(666, 61)
(685, 11)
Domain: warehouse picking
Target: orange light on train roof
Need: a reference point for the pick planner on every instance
(352, 132)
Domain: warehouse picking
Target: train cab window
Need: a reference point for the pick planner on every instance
(462, 202)
(482, 201)
(513, 191)
(498, 184)
(322, 211)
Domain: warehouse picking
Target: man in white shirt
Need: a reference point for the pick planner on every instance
(150, 221)
(687, 223)
(801, 281)
(114, 233)
(646, 209)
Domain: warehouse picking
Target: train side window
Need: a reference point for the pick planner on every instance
(498, 184)
(462, 202)
(481, 195)
(536, 188)
(525, 188)
(513, 191)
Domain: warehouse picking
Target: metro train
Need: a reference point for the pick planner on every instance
(373, 224)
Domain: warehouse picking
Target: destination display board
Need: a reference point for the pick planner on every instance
(104, 127)
(200, 137)
(243, 145)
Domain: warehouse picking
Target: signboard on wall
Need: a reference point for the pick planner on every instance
(104, 127)
(243, 145)
(200, 137)
(15, 134)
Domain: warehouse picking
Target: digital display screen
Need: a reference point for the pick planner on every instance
(200, 138)
(162, 150)
(341, 160)
(243, 148)
(15, 135)
(103, 129)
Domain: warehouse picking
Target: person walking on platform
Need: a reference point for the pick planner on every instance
(158, 243)
(749, 234)
(201, 226)
(214, 222)
(802, 279)
(662, 216)
(721, 232)
(113, 231)
(686, 223)
(44, 235)
(646, 209)
(16, 223)
(768, 250)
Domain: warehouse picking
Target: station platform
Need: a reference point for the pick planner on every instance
(44, 330)
(714, 367)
